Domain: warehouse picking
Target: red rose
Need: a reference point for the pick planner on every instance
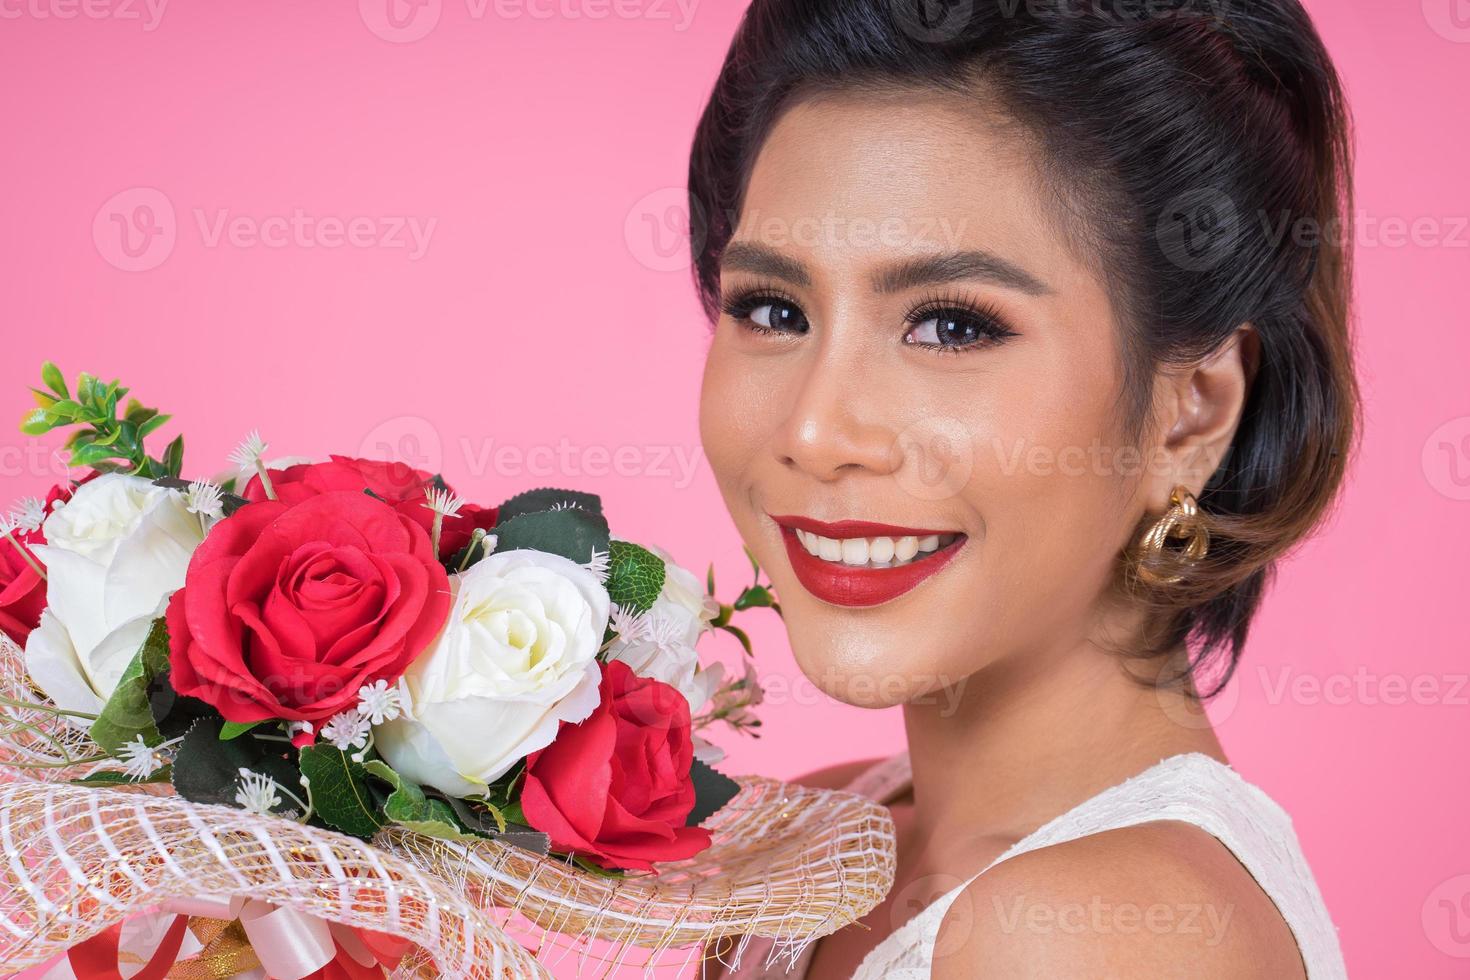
(615, 788)
(288, 609)
(22, 589)
(397, 483)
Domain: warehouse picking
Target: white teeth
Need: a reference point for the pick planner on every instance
(872, 552)
(881, 550)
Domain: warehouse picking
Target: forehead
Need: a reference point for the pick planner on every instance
(846, 176)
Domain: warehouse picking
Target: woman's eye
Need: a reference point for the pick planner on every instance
(954, 329)
(773, 314)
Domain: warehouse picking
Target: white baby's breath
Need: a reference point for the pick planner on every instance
(347, 730)
(443, 502)
(28, 515)
(256, 792)
(294, 728)
(600, 565)
(205, 499)
(377, 702)
(249, 452)
(140, 760)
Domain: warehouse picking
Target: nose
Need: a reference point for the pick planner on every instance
(836, 425)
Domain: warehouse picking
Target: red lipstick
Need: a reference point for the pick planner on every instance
(855, 585)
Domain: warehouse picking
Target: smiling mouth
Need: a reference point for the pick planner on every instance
(861, 563)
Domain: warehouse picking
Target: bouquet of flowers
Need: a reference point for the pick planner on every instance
(350, 647)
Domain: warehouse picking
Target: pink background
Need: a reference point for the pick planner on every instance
(548, 330)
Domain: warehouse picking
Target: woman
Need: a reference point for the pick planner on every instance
(1031, 357)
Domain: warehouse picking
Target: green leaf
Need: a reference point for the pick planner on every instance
(757, 596)
(635, 575)
(128, 713)
(709, 579)
(234, 729)
(91, 455)
(712, 790)
(339, 790)
(740, 635)
(36, 423)
(173, 457)
(109, 777)
(409, 807)
(489, 821)
(545, 498)
(151, 425)
(53, 379)
(207, 770)
(572, 533)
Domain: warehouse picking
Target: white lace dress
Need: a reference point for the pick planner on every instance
(1194, 789)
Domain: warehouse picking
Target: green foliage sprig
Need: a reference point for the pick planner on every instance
(102, 441)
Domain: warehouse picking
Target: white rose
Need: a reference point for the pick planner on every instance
(661, 643)
(114, 553)
(517, 657)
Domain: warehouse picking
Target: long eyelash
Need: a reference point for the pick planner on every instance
(742, 302)
(991, 321)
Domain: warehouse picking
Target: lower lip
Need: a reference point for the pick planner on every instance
(848, 585)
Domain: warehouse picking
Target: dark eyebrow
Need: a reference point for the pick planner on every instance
(928, 270)
(953, 267)
(762, 260)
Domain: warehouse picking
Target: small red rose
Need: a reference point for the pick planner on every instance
(615, 787)
(288, 609)
(398, 484)
(22, 589)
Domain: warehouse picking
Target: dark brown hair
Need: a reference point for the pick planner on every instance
(1206, 143)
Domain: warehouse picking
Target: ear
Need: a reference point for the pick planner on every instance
(1199, 410)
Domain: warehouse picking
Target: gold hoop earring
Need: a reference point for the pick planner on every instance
(1181, 522)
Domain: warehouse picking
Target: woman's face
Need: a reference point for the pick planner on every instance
(917, 377)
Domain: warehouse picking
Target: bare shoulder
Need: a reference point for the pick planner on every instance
(1158, 899)
(836, 777)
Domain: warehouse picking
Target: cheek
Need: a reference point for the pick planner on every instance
(736, 412)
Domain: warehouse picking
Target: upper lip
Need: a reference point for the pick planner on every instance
(854, 529)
